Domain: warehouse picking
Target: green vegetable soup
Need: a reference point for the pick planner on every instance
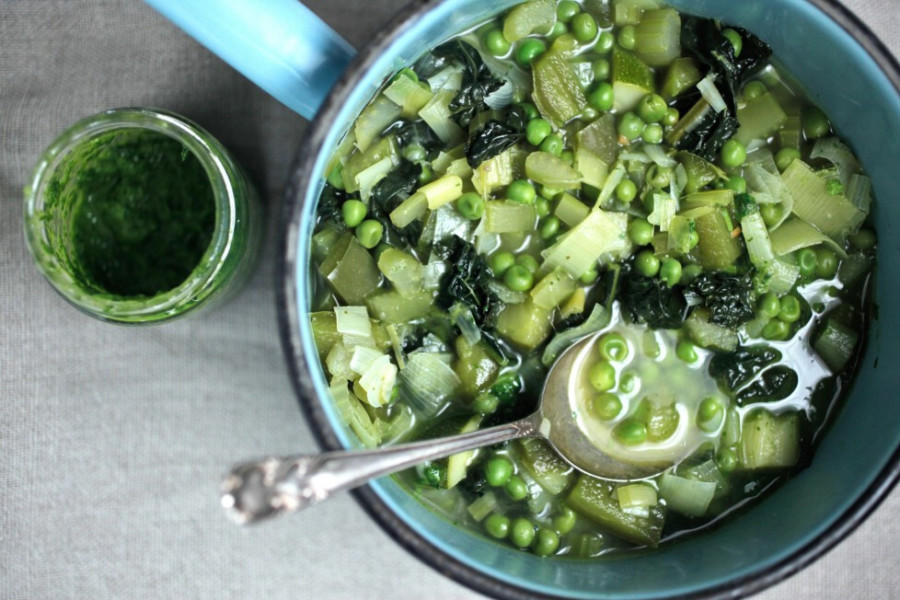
(611, 168)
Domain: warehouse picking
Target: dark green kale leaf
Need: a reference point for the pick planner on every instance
(493, 138)
(775, 383)
(649, 300)
(744, 204)
(706, 139)
(729, 297)
(329, 207)
(477, 80)
(734, 369)
(409, 133)
(466, 280)
(390, 192)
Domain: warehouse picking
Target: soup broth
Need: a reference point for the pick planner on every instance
(609, 168)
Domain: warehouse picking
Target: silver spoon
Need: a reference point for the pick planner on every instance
(277, 485)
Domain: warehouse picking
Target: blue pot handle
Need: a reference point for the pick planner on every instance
(280, 45)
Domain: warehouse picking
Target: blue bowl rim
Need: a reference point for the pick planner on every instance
(301, 175)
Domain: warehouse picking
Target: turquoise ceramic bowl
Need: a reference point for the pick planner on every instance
(845, 69)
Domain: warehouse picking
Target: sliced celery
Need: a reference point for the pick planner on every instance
(409, 210)
(442, 191)
(720, 198)
(759, 118)
(553, 289)
(350, 270)
(681, 75)
(769, 441)
(380, 113)
(535, 16)
(546, 467)
(686, 496)
(403, 270)
(369, 178)
(482, 506)
(526, 325)
(791, 133)
(664, 209)
(595, 500)
(835, 343)
(601, 236)
(505, 216)
(551, 171)
(392, 307)
(593, 169)
(570, 210)
(360, 161)
(352, 320)
(795, 233)
(718, 247)
(410, 95)
(354, 414)
(657, 38)
(557, 91)
(834, 215)
(499, 171)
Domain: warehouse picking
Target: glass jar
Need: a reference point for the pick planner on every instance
(52, 235)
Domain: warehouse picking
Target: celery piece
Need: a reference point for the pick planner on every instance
(664, 209)
(768, 440)
(570, 210)
(759, 118)
(359, 161)
(551, 171)
(834, 215)
(379, 113)
(718, 248)
(499, 171)
(404, 272)
(505, 216)
(791, 133)
(350, 270)
(835, 343)
(679, 232)
(795, 233)
(553, 289)
(688, 497)
(709, 335)
(720, 198)
(756, 236)
(681, 75)
(460, 168)
(482, 506)
(780, 276)
(699, 171)
(574, 305)
(368, 178)
(439, 117)
(597, 320)
(393, 307)
(595, 500)
(324, 330)
(859, 191)
(762, 182)
(354, 414)
(409, 210)
(657, 38)
(853, 267)
(353, 321)
(458, 464)
(544, 464)
(594, 171)
(632, 79)
(535, 16)
(444, 159)
(525, 325)
(474, 366)
(442, 191)
(601, 236)
(411, 96)
(557, 92)
(362, 357)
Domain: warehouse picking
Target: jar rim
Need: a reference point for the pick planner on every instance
(221, 173)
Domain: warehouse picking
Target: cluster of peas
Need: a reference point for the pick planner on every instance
(522, 532)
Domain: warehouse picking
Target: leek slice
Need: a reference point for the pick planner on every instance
(597, 320)
(354, 414)
(637, 498)
(380, 113)
(601, 236)
(505, 216)
(759, 118)
(362, 357)
(553, 289)
(834, 215)
(710, 93)
(686, 496)
(836, 152)
(664, 209)
(795, 233)
(536, 16)
(429, 382)
(410, 95)
(438, 116)
(352, 320)
(551, 171)
(378, 381)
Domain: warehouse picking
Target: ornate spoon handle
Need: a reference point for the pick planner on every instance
(257, 490)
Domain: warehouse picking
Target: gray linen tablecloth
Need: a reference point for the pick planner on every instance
(113, 440)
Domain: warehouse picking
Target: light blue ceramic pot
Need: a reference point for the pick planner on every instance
(291, 54)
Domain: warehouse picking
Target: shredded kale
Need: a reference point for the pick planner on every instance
(734, 369)
(489, 141)
(650, 300)
(397, 185)
(329, 206)
(709, 135)
(409, 133)
(729, 297)
(744, 204)
(466, 280)
(477, 80)
(775, 383)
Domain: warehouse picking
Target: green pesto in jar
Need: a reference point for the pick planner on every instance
(138, 213)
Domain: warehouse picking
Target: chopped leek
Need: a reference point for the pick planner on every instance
(354, 414)
(438, 116)
(836, 152)
(686, 496)
(380, 113)
(362, 357)
(602, 235)
(352, 320)
(710, 93)
(664, 209)
(506, 216)
(482, 506)
(553, 289)
(551, 171)
(796, 233)
(368, 178)
(636, 498)
(769, 440)
(410, 95)
(338, 362)
(834, 215)
(429, 382)
(597, 320)
(570, 210)
(378, 381)
(759, 118)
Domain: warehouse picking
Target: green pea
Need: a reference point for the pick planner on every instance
(518, 278)
(565, 520)
(521, 191)
(426, 174)
(521, 532)
(733, 153)
(414, 153)
(497, 525)
(770, 213)
(541, 207)
(690, 273)
(529, 49)
(605, 42)
(567, 9)
(672, 117)
(631, 432)
(529, 262)
(776, 330)
(727, 460)
(606, 406)
(588, 114)
(686, 351)
(537, 130)
(834, 187)
(530, 109)
(627, 37)
(550, 193)
(629, 381)
(754, 89)
(864, 239)
(737, 184)
(354, 212)
(806, 260)
(602, 97)
(549, 228)
(647, 263)
(784, 158)
(814, 122)
(552, 144)
(601, 69)
(485, 403)
(589, 276)
(626, 190)
(693, 239)
(657, 176)
(652, 108)
(501, 261)
(516, 488)
(670, 271)
(602, 376)
(335, 177)
(495, 43)
(568, 156)
(736, 41)
(710, 414)
(558, 29)
(546, 541)
(768, 305)
(498, 470)
(653, 133)
(826, 263)
(631, 126)
(613, 347)
(584, 27)
(369, 233)
(790, 309)
(470, 205)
